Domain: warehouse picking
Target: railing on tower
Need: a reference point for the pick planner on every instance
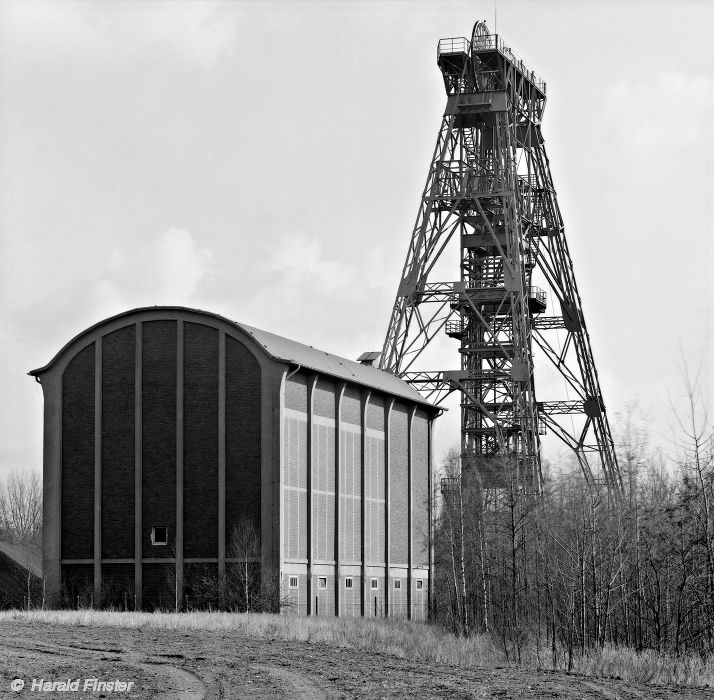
(489, 42)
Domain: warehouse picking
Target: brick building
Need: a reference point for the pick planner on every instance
(166, 427)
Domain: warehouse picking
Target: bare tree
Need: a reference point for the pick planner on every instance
(243, 585)
(577, 570)
(21, 507)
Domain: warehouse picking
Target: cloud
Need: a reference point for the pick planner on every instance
(300, 289)
(168, 271)
(299, 262)
(197, 33)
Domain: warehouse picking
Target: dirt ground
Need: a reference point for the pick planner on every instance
(188, 665)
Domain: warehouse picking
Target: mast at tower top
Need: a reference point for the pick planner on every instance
(489, 194)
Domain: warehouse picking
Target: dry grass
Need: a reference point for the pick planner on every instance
(648, 666)
(409, 640)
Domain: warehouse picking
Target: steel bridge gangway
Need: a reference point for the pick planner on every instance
(457, 294)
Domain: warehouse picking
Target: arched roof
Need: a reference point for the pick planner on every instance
(275, 346)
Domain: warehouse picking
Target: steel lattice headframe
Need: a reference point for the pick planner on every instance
(490, 191)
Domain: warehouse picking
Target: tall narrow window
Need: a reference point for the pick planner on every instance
(293, 582)
(374, 584)
(322, 582)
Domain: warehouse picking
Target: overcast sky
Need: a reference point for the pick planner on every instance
(265, 161)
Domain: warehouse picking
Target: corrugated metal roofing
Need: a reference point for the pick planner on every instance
(285, 350)
(307, 356)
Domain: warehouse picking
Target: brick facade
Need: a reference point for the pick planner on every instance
(168, 421)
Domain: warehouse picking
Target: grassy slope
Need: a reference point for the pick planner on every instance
(411, 640)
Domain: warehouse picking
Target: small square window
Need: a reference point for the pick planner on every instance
(374, 584)
(397, 583)
(293, 582)
(322, 582)
(348, 582)
(159, 535)
(420, 584)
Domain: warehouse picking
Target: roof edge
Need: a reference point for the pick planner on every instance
(105, 321)
(250, 331)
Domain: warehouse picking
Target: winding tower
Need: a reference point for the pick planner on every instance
(489, 191)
